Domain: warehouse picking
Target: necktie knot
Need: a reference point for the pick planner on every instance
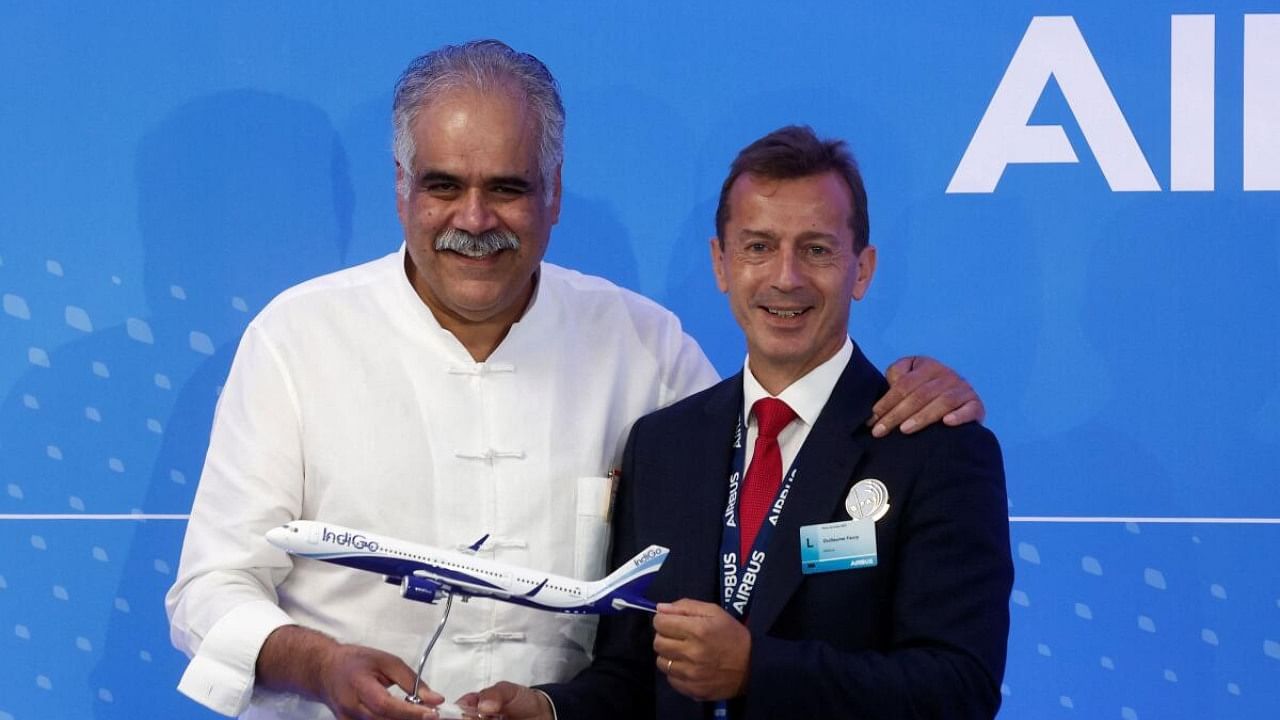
(772, 415)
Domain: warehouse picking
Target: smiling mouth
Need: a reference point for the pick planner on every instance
(786, 313)
(475, 253)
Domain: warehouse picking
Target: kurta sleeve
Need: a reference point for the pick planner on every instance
(223, 604)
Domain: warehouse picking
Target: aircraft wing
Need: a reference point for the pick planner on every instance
(456, 585)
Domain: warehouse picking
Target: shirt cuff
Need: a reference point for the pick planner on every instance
(220, 675)
(550, 702)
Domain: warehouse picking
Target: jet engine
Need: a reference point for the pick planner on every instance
(420, 589)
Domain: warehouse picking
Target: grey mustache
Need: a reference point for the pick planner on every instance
(486, 243)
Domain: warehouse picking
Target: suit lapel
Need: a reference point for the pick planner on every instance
(825, 465)
(707, 493)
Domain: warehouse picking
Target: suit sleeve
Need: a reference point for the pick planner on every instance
(619, 681)
(949, 612)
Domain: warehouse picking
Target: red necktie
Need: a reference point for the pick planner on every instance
(765, 474)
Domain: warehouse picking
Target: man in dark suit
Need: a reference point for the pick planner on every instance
(871, 579)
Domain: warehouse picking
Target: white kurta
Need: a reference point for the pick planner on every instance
(348, 403)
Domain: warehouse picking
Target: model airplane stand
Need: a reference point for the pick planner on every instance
(417, 678)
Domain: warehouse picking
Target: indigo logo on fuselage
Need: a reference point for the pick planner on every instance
(353, 540)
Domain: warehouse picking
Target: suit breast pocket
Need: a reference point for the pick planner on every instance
(591, 535)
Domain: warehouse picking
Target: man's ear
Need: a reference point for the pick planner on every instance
(717, 263)
(866, 269)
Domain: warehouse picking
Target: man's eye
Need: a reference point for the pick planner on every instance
(757, 247)
(440, 188)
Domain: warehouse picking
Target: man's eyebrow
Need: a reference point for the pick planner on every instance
(512, 181)
(430, 176)
(440, 176)
(749, 234)
(816, 235)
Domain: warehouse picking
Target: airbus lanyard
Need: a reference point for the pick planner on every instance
(738, 578)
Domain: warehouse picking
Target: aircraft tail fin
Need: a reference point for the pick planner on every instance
(629, 582)
(475, 546)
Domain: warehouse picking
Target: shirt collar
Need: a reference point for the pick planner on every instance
(806, 396)
(529, 317)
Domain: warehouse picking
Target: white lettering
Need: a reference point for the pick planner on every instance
(1261, 102)
(749, 580)
(729, 507)
(729, 562)
(1191, 109)
(777, 505)
(1051, 47)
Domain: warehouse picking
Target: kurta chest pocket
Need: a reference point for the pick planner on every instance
(591, 536)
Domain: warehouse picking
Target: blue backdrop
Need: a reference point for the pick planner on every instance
(168, 167)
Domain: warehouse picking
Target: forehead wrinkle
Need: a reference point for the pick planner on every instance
(753, 233)
(817, 235)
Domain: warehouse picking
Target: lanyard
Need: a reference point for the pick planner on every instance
(738, 575)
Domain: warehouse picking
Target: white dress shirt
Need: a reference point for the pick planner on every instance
(348, 403)
(806, 397)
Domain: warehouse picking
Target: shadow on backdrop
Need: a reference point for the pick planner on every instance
(241, 195)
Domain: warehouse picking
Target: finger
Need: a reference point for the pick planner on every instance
(696, 608)
(930, 380)
(943, 401)
(666, 665)
(397, 672)
(667, 648)
(940, 394)
(495, 697)
(680, 607)
(972, 411)
(907, 403)
(380, 704)
(902, 383)
(887, 402)
(674, 627)
(688, 607)
(898, 368)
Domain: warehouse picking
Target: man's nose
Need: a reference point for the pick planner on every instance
(786, 272)
(474, 214)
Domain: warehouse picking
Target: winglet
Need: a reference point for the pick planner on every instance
(475, 546)
(534, 591)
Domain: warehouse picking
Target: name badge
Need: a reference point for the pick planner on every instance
(838, 546)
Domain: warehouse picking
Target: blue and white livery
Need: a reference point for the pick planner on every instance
(426, 573)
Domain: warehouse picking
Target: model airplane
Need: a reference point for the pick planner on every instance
(426, 573)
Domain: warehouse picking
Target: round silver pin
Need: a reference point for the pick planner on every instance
(867, 500)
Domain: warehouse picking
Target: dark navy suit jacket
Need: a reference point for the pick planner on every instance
(920, 635)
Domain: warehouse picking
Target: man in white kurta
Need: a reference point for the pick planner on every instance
(348, 402)
(456, 388)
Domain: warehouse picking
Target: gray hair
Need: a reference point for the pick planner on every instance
(479, 65)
